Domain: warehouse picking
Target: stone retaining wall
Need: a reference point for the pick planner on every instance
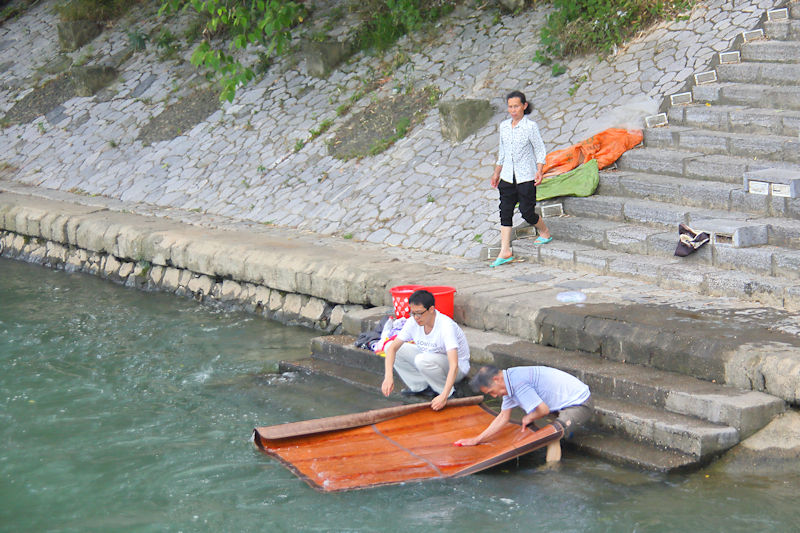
(285, 307)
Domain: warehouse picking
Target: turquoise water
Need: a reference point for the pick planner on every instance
(127, 411)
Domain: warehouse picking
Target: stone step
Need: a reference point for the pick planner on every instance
(336, 355)
(746, 411)
(694, 193)
(709, 141)
(782, 30)
(686, 416)
(755, 95)
(660, 428)
(695, 165)
(737, 119)
(352, 376)
(618, 450)
(759, 73)
(772, 51)
(341, 350)
(668, 273)
(737, 228)
(648, 253)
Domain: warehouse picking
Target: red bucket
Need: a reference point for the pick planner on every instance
(442, 296)
(444, 299)
(400, 296)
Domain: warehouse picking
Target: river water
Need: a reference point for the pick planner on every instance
(127, 411)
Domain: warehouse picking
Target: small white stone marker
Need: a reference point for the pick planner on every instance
(758, 187)
(654, 121)
(553, 210)
(709, 76)
(782, 190)
(752, 35)
(778, 14)
(680, 98)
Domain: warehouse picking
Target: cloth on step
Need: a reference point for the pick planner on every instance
(582, 181)
(365, 338)
(605, 147)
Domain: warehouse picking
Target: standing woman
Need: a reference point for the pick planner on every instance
(517, 173)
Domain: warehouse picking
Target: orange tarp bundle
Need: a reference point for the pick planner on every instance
(606, 147)
(396, 444)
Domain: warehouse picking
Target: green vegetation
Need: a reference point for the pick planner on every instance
(167, 43)
(385, 21)
(243, 23)
(14, 9)
(401, 128)
(137, 39)
(583, 26)
(95, 10)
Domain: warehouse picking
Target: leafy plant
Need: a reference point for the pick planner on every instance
(385, 21)
(581, 26)
(577, 85)
(244, 22)
(137, 39)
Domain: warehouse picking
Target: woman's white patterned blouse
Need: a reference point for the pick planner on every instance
(521, 149)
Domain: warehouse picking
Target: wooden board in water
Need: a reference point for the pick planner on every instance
(394, 445)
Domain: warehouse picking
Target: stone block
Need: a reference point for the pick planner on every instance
(74, 34)
(231, 291)
(743, 259)
(738, 233)
(461, 118)
(90, 233)
(89, 80)
(789, 179)
(595, 206)
(171, 279)
(314, 310)
(276, 299)
(322, 57)
(111, 267)
(293, 304)
(56, 253)
(200, 286)
(745, 286)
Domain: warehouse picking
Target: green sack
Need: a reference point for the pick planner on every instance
(581, 181)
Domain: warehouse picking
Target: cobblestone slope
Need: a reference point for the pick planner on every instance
(240, 161)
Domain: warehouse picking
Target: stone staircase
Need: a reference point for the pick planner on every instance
(648, 418)
(728, 163)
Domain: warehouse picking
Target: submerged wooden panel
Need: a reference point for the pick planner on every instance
(396, 444)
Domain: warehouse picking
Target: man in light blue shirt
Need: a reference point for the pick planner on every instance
(539, 391)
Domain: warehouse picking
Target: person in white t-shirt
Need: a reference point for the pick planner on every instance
(437, 360)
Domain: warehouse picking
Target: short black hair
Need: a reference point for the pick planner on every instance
(483, 378)
(423, 298)
(521, 96)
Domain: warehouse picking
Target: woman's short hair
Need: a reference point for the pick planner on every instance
(423, 298)
(483, 378)
(521, 96)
